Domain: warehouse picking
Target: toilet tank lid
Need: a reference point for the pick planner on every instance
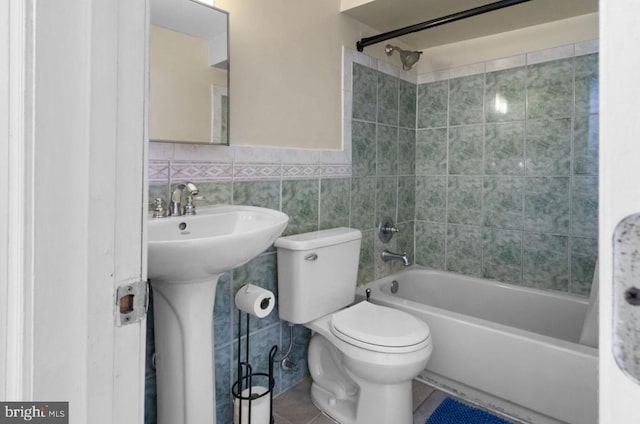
(316, 239)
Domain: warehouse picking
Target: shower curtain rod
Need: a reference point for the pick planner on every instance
(367, 41)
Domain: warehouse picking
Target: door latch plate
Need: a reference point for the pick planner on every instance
(132, 302)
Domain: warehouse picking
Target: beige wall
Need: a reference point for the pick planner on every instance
(538, 37)
(286, 71)
(286, 65)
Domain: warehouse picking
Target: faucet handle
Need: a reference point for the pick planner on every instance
(159, 208)
(386, 229)
(189, 208)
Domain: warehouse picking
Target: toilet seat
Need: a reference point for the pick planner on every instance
(380, 329)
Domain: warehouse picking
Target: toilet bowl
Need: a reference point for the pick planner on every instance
(359, 375)
(362, 358)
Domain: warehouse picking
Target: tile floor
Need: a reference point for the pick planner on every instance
(295, 406)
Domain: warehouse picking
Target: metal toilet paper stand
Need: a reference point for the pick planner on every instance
(247, 378)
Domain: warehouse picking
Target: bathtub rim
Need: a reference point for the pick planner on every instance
(416, 307)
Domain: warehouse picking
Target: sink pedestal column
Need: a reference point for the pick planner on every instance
(185, 372)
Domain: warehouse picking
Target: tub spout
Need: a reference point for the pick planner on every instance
(390, 256)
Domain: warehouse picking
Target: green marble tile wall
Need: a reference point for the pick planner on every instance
(507, 174)
(492, 174)
(383, 165)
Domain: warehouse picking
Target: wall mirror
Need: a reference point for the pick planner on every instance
(188, 73)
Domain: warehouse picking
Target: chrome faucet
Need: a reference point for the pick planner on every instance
(175, 207)
(390, 256)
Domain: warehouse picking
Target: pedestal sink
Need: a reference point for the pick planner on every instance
(187, 255)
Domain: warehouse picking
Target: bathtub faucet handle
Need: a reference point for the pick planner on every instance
(367, 293)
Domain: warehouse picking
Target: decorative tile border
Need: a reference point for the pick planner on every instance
(201, 171)
(159, 171)
(175, 171)
(262, 171)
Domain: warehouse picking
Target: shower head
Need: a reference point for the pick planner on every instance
(408, 58)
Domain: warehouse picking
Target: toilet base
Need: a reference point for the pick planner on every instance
(340, 410)
(377, 403)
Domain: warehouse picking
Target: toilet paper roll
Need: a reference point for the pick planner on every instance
(255, 300)
(260, 408)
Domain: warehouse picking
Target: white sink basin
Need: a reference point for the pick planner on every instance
(217, 239)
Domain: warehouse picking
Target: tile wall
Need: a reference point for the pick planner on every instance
(507, 169)
(488, 170)
(311, 200)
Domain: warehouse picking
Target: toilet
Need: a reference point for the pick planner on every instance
(362, 357)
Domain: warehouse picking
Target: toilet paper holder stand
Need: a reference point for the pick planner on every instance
(247, 378)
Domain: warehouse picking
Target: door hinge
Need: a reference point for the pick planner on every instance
(132, 302)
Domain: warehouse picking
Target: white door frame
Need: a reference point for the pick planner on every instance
(15, 284)
(619, 183)
(73, 170)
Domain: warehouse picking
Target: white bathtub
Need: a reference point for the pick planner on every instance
(508, 348)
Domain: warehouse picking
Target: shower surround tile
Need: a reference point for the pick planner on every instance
(406, 151)
(583, 254)
(502, 255)
(430, 244)
(465, 150)
(431, 198)
(464, 200)
(387, 197)
(585, 145)
(584, 207)
(365, 83)
(547, 205)
(548, 147)
(505, 95)
(387, 99)
(466, 100)
(504, 148)
(363, 139)
(537, 179)
(464, 250)
(407, 104)
(433, 104)
(431, 152)
(503, 198)
(546, 262)
(550, 89)
(406, 199)
(587, 84)
(387, 150)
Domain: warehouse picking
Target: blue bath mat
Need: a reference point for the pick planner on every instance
(453, 412)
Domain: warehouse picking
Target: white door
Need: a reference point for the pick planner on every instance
(72, 155)
(619, 182)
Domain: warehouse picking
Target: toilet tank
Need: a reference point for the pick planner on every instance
(317, 273)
